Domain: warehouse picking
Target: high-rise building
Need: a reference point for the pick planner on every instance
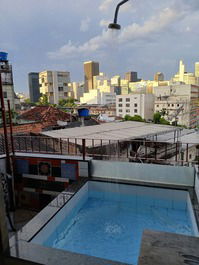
(131, 76)
(54, 85)
(159, 77)
(185, 77)
(91, 69)
(7, 81)
(33, 82)
(197, 69)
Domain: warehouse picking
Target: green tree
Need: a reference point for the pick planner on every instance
(163, 121)
(133, 118)
(156, 117)
(43, 100)
(69, 102)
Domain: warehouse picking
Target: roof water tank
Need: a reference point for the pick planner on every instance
(3, 56)
(83, 112)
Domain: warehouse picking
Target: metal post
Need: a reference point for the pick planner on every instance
(4, 239)
(8, 166)
(84, 148)
(60, 144)
(11, 130)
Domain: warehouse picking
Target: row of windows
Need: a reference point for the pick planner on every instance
(127, 99)
(127, 105)
(128, 110)
(170, 105)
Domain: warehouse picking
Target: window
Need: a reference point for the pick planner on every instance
(127, 105)
(127, 99)
(135, 110)
(65, 94)
(120, 99)
(120, 105)
(172, 105)
(168, 105)
(157, 106)
(5, 94)
(135, 105)
(190, 156)
(128, 111)
(120, 110)
(60, 88)
(42, 80)
(65, 84)
(178, 105)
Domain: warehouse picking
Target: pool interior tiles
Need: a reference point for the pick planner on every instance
(107, 219)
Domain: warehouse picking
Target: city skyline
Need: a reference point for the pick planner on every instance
(154, 37)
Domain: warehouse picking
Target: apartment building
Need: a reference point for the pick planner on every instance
(54, 84)
(135, 104)
(179, 103)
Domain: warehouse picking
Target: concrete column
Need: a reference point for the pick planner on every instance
(4, 239)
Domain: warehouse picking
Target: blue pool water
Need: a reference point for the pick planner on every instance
(110, 225)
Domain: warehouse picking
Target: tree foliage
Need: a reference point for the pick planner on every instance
(43, 100)
(158, 119)
(69, 102)
(133, 118)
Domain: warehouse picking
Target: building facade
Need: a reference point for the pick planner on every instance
(91, 69)
(179, 103)
(185, 77)
(33, 82)
(131, 76)
(135, 104)
(95, 96)
(55, 85)
(77, 89)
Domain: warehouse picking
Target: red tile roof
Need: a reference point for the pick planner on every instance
(46, 114)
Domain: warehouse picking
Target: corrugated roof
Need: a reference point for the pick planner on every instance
(118, 131)
(45, 114)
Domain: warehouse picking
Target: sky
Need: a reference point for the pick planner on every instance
(60, 35)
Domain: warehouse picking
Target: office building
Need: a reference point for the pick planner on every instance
(185, 77)
(33, 82)
(91, 69)
(131, 76)
(54, 84)
(197, 69)
(159, 77)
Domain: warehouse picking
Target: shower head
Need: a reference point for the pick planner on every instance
(114, 25)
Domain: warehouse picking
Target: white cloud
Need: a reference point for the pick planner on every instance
(105, 5)
(154, 25)
(133, 32)
(85, 23)
(104, 23)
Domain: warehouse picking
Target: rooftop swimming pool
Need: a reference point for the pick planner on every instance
(106, 220)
